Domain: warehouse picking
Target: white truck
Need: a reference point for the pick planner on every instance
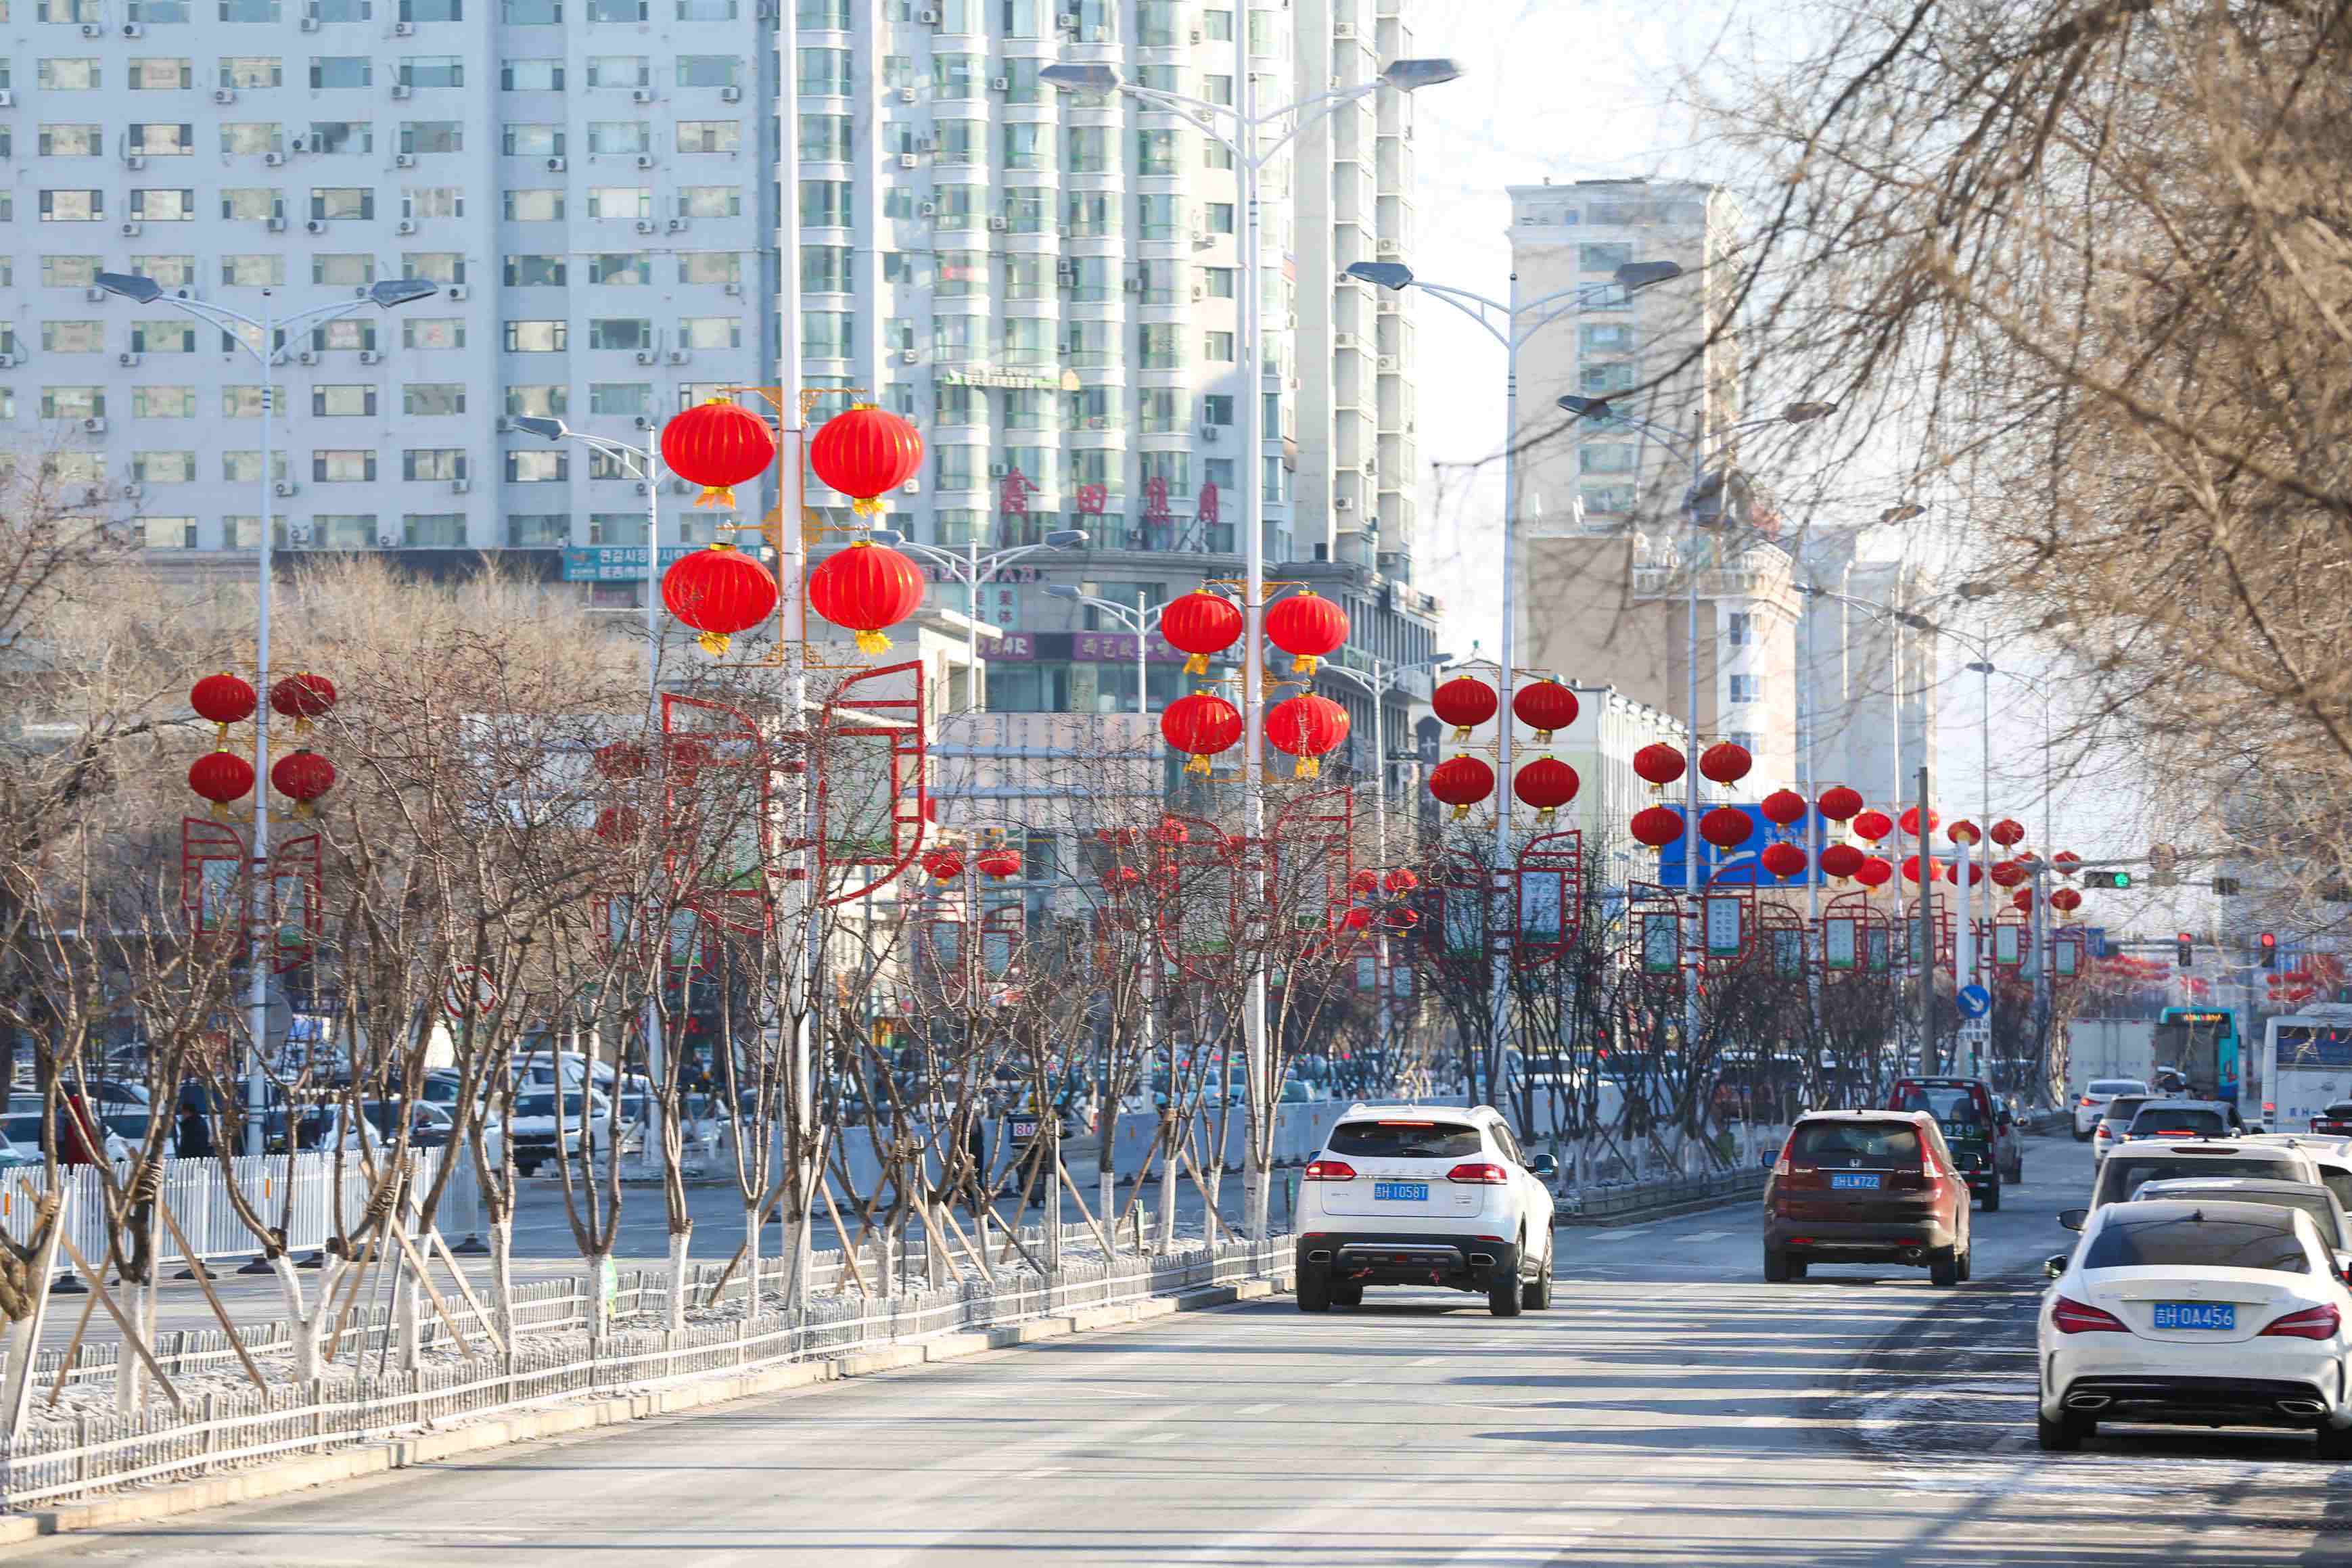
(2306, 1065)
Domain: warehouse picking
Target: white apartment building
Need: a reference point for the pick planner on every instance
(1044, 282)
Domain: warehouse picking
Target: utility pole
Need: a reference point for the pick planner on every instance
(1928, 1062)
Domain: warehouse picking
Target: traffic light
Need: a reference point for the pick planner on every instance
(2106, 878)
(2184, 948)
(2268, 944)
(2226, 886)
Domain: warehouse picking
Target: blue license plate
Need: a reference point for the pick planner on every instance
(1857, 1181)
(1401, 1192)
(2214, 1315)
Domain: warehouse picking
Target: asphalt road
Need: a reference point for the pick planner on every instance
(1670, 1409)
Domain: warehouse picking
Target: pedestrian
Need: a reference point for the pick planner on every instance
(79, 1140)
(194, 1126)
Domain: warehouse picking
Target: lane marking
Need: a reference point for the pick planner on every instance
(1259, 1409)
(1706, 1235)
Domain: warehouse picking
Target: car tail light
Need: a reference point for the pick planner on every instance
(1480, 1173)
(2312, 1324)
(2086, 1100)
(2073, 1317)
(1780, 1166)
(1327, 1170)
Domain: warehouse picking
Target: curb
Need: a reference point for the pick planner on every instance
(1643, 1216)
(612, 1410)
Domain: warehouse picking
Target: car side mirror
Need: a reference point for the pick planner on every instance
(2074, 1219)
(2053, 1266)
(1544, 1165)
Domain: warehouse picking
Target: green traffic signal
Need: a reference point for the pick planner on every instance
(2106, 878)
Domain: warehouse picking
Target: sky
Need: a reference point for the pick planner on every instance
(1574, 90)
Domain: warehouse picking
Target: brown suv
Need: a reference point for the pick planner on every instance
(1866, 1186)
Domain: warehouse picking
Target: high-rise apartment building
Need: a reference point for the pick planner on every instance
(1870, 679)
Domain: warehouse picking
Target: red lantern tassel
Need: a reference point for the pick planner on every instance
(1199, 764)
(1304, 664)
(867, 506)
(873, 642)
(717, 495)
(715, 644)
(1308, 768)
(1460, 812)
(1461, 735)
(1196, 664)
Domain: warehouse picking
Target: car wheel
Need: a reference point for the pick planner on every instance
(1776, 1266)
(1503, 1294)
(2063, 1435)
(1536, 1294)
(527, 1167)
(2081, 1136)
(1967, 1262)
(1347, 1295)
(2016, 1174)
(1944, 1268)
(1993, 1196)
(2334, 1443)
(1314, 1291)
(1797, 1266)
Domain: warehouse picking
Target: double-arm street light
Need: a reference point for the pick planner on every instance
(644, 466)
(259, 337)
(1138, 619)
(1254, 139)
(1512, 324)
(972, 569)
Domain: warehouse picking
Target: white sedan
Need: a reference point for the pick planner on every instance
(2092, 1103)
(2203, 1313)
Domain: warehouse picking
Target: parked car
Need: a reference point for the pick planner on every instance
(1963, 1111)
(2202, 1313)
(2133, 1165)
(2008, 1148)
(1410, 1195)
(2092, 1103)
(1866, 1186)
(535, 1133)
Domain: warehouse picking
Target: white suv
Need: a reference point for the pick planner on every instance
(1412, 1195)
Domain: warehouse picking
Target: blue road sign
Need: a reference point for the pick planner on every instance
(1973, 1001)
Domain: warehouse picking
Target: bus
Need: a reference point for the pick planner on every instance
(2307, 1064)
(2202, 1044)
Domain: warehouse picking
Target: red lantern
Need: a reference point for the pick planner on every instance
(1307, 727)
(1307, 626)
(1952, 873)
(302, 697)
(1657, 826)
(1461, 783)
(717, 445)
(2067, 862)
(1911, 821)
(1838, 803)
(223, 699)
(1399, 881)
(1363, 882)
(1783, 859)
(1658, 765)
(1200, 624)
(866, 587)
(221, 777)
(2007, 873)
(1963, 833)
(1873, 872)
(863, 451)
(999, 863)
(944, 864)
(2066, 901)
(1546, 707)
(1782, 807)
(1726, 827)
(302, 777)
(1841, 861)
(618, 825)
(719, 592)
(1402, 919)
(1724, 762)
(1465, 702)
(1201, 725)
(2008, 832)
(1546, 783)
(1873, 826)
(1357, 919)
(1912, 870)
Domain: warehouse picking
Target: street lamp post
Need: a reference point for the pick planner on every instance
(1138, 620)
(972, 569)
(1512, 325)
(386, 295)
(1242, 130)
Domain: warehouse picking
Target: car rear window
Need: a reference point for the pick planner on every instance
(1895, 1142)
(1406, 1140)
(2123, 1176)
(2123, 1107)
(2115, 1086)
(2157, 1119)
(2311, 1201)
(2338, 1180)
(2192, 1241)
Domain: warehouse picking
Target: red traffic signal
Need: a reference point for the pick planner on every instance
(2268, 942)
(2185, 949)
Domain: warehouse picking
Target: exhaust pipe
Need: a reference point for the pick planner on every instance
(1914, 1254)
(1481, 1260)
(2088, 1401)
(2300, 1408)
(1324, 1256)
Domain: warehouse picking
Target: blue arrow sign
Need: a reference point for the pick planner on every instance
(1973, 1001)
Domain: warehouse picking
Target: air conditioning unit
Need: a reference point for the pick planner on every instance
(406, 226)
(297, 145)
(1068, 22)
(403, 29)
(1000, 84)
(126, 360)
(1345, 341)
(95, 295)
(1388, 247)
(306, 357)
(909, 356)
(389, 541)
(648, 356)
(309, 24)
(296, 533)
(1388, 364)
(1200, 236)
(683, 487)
(906, 95)
(129, 230)
(1196, 34)
(133, 491)
(644, 225)
(730, 95)
(641, 95)
(679, 356)
(134, 160)
(274, 159)
(274, 225)
(400, 90)
(642, 423)
(8, 361)
(928, 16)
(92, 30)
(735, 291)
(224, 95)
(94, 427)
(911, 487)
(999, 224)
(1132, 285)
(1342, 503)
(285, 488)
(1343, 29)
(677, 226)
(998, 470)
(645, 159)
(456, 291)
(1199, 291)
(555, 165)
(134, 30)
(369, 356)
(1065, 273)
(315, 226)
(906, 160)
(1212, 433)
(461, 487)
(927, 144)
(403, 159)
(926, 209)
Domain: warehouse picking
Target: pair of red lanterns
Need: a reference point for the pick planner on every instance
(1305, 625)
(1724, 762)
(1309, 727)
(947, 865)
(221, 776)
(1546, 783)
(861, 452)
(1465, 702)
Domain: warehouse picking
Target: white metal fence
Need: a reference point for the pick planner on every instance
(552, 1356)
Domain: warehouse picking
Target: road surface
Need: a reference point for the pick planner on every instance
(1671, 1409)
